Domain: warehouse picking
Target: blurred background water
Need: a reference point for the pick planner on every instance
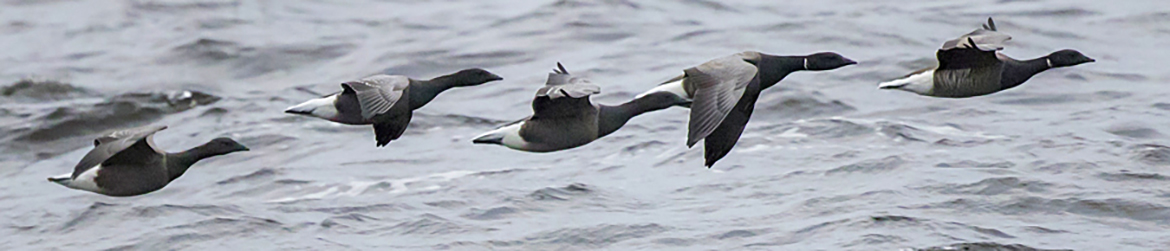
(1073, 159)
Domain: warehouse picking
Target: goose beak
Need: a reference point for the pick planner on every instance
(495, 77)
(850, 62)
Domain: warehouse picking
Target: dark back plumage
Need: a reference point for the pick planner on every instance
(968, 66)
(122, 148)
(563, 116)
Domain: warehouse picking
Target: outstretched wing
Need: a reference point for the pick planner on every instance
(718, 85)
(120, 147)
(377, 94)
(972, 50)
(563, 95)
(980, 39)
(561, 84)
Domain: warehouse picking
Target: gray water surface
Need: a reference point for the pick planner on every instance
(1073, 159)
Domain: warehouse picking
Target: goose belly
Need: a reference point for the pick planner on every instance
(969, 82)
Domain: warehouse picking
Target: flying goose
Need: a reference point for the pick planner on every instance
(724, 92)
(127, 163)
(564, 118)
(972, 65)
(375, 100)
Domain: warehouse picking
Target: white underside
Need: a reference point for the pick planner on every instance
(319, 107)
(86, 181)
(921, 83)
(511, 136)
(675, 87)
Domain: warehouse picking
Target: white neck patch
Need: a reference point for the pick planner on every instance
(1049, 61)
(806, 63)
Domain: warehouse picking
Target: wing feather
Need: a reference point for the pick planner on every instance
(718, 85)
(117, 146)
(377, 94)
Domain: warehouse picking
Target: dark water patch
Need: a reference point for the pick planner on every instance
(986, 246)
(56, 132)
(428, 121)
(989, 231)
(42, 90)
(870, 240)
(448, 204)
(391, 161)
(344, 221)
(995, 186)
(1061, 167)
(206, 50)
(227, 226)
(495, 213)
(382, 207)
(562, 193)
(869, 166)
(976, 164)
(168, 210)
(642, 147)
(675, 242)
(287, 57)
(596, 237)
(214, 112)
(1126, 176)
(602, 36)
(220, 23)
(1163, 106)
(92, 214)
(893, 218)
(572, 4)
(781, 27)
(83, 55)
(832, 128)
(904, 222)
(185, 6)
(710, 5)
(693, 34)
(823, 227)
(709, 189)
(1145, 18)
(249, 61)
(266, 173)
(962, 143)
(1132, 130)
(1052, 99)
(1150, 154)
(897, 131)
(14, 27)
(1074, 76)
(265, 140)
(426, 224)
(1043, 230)
(447, 63)
(1130, 77)
(799, 104)
(740, 233)
(1115, 208)
(218, 222)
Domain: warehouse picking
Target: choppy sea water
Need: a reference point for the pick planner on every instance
(1074, 159)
